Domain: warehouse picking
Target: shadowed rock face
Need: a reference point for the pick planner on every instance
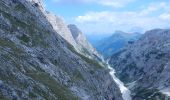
(75, 31)
(37, 63)
(146, 63)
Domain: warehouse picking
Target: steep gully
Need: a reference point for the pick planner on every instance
(124, 90)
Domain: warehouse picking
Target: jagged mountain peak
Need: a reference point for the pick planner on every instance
(60, 26)
(72, 35)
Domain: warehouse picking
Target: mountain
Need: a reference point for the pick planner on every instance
(73, 36)
(114, 43)
(95, 38)
(85, 47)
(145, 65)
(38, 63)
(60, 26)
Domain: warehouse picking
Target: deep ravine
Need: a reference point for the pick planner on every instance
(126, 94)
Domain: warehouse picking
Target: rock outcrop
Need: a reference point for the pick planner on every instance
(145, 65)
(37, 63)
(60, 26)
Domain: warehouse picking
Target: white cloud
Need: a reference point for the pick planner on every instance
(165, 16)
(154, 16)
(56, 0)
(112, 3)
(96, 17)
(154, 7)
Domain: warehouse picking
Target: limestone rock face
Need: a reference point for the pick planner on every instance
(61, 27)
(73, 36)
(85, 47)
(145, 65)
(37, 63)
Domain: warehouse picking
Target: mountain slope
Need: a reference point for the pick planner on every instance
(68, 32)
(95, 38)
(114, 43)
(37, 63)
(146, 65)
(85, 47)
(60, 26)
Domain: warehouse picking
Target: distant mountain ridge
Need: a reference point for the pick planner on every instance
(95, 38)
(115, 42)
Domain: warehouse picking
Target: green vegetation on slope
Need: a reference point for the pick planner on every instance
(89, 61)
(36, 33)
(2, 97)
(60, 91)
(150, 94)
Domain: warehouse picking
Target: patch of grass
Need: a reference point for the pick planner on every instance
(78, 76)
(60, 91)
(6, 43)
(152, 93)
(20, 7)
(2, 97)
(85, 51)
(124, 78)
(14, 21)
(89, 61)
(145, 93)
(24, 38)
(32, 95)
(37, 34)
(9, 77)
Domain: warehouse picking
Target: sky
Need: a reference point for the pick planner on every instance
(106, 16)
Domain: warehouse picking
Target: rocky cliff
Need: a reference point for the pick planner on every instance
(145, 65)
(60, 26)
(74, 36)
(37, 63)
(85, 47)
